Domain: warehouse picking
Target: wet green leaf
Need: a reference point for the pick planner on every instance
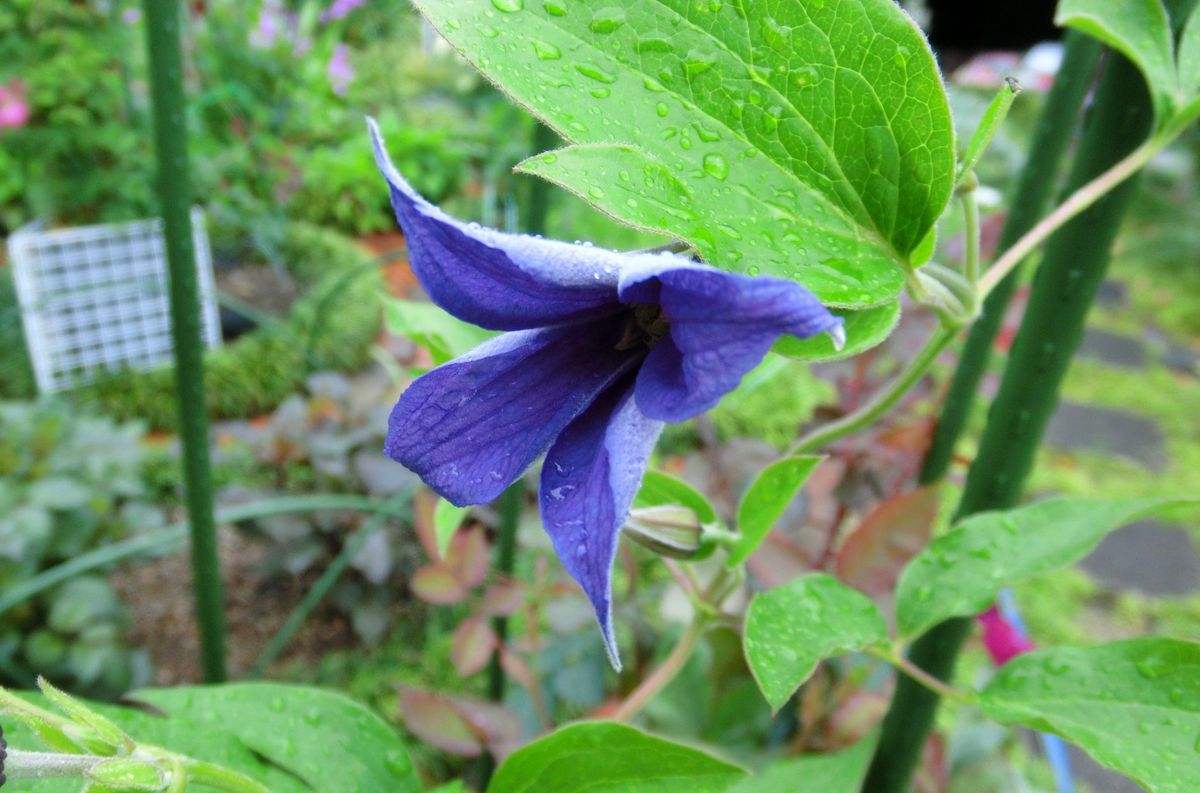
(659, 488)
(1132, 705)
(1140, 30)
(793, 627)
(804, 140)
(864, 329)
(840, 772)
(765, 501)
(961, 572)
(604, 757)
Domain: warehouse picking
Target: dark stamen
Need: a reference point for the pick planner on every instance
(645, 326)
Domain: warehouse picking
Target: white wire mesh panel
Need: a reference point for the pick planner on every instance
(94, 299)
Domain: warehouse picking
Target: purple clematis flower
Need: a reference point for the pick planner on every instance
(603, 348)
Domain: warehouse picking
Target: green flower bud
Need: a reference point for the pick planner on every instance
(668, 530)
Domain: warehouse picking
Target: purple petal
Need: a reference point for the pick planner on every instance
(589, 479)
(497, 280)
(470, 427)
(722, 324)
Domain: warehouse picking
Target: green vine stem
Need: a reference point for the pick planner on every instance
(881, 402)
(665, 673)
(1072, 268)
(170, 137)
(1051, 136)
(20, 764)
(919, 675)
(506, 554)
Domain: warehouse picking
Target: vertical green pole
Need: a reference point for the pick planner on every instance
(170, 137)
(1074, 264)
(1055, 128)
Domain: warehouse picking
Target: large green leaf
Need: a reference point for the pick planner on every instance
(804, 140)
(290, 738)
(864, 329)
(324, 738)
(1140, 30)
(793, 627)
(765, 500)
(604, 757)
(841, 772)
(1132, 705)
(961, 572)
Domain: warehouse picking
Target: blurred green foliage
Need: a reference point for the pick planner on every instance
(68, 483)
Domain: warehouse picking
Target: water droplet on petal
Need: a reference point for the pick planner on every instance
(606, 20)
(545, 51)
(508, 6)
(554, 9)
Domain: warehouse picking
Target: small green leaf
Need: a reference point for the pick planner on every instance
(1140, 30)
(446, 520)
(989, 125)
(804, 141)
(793, 627)
(659, 488)
(603, 757)
(126, 773)
(765, 500)
(444, 336)
(1189, 58)
(864, 329)
(961, 572)
(840, 772)
(107, 732)
(1132, 705)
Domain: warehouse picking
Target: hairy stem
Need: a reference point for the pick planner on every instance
(882, 402)
(19, 764)
(1080, 200)
(665, 673)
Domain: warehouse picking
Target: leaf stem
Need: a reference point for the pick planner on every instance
(881, 402)
(970, 208)
(918, 674)
(19, 764)
(666, 672)
(1080, 200)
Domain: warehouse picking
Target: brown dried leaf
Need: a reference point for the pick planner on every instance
(468, 557)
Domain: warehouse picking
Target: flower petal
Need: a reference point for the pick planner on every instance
(589, 479)
(722, 324)
(493, 279)
(470, 427)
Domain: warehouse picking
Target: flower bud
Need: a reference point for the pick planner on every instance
(668, 530)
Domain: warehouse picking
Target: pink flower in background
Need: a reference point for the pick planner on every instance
(14, 110)
(131, 16)
(270, 19)
(339, 9)
(341, 73)
(1002, 640)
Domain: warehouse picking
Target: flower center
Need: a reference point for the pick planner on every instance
(644, 326)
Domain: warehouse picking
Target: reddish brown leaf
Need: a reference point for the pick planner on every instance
(472, 646)
(854, 717)
(500, 726)
(872, 556)
(515, 667)
(424, 503)
(437, 584)
(777, 561)
(437, 722)
(504, 598)
(468, 557)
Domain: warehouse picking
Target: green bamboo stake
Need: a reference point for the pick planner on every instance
(1055, 128)
(170, 138)
(1074, 264)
